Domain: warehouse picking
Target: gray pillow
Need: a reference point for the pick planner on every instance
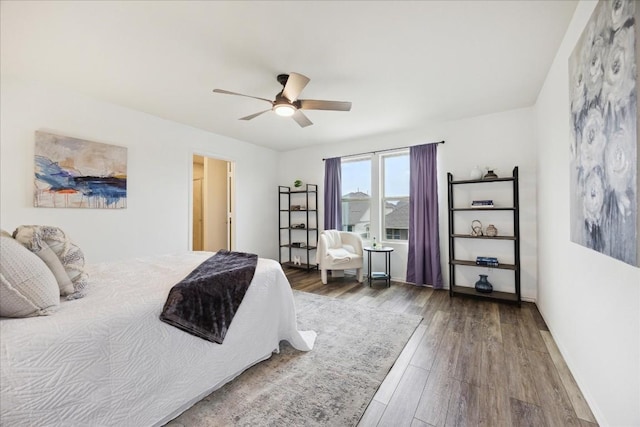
(27, 286)
(50, 258)
(63, 258)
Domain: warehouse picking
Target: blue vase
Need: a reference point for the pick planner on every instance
(483, 285)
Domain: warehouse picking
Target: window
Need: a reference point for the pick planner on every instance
(375, 196)
(356, 196)
(395, 196)
(397, 233)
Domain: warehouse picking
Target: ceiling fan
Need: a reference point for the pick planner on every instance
(287, 103)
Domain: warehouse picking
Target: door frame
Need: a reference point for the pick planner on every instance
(193, 206)
(231, 199)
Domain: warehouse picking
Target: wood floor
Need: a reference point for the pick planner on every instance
(469, 363)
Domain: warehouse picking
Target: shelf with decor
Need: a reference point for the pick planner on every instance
(501, 266)
(484, 209)
(495, 295)
(468, 236)
(455, 212)
(298, 226)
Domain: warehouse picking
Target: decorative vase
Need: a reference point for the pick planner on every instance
(476, 173)
(491, 231)
(483, 285)
(476, 228)
(490, 174)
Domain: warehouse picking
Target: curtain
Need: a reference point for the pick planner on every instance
(332, 194)
(423, 263)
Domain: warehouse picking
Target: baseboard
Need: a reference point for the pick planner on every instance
(595, 410)
(525, 299)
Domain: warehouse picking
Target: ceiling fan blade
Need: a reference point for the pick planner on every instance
(226, 92)
(301, 119)
(316, 104)
(295, 83)
(253, 116)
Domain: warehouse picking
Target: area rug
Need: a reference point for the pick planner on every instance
(328, 386)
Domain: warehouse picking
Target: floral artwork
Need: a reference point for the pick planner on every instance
(74, 173)
(604, 147)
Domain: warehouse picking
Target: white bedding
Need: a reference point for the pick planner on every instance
(107, 359)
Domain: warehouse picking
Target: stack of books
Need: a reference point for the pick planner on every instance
(487, 260)
(482, 204)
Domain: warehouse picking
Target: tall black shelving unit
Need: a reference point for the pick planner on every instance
(454, 262)
(293, 240)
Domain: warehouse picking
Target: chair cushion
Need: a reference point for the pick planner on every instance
(349, 248)
(339, 256)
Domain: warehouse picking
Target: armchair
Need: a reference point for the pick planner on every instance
(339, 250)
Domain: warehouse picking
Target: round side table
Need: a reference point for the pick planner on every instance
(378, 275)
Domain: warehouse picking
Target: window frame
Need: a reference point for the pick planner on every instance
(396, 199)
(366, 235)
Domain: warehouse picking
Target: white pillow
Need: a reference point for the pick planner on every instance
(27, 286)
(63, 258)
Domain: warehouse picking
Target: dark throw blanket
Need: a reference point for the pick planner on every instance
(204, 303)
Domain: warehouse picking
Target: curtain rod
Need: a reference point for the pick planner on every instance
(388, 149)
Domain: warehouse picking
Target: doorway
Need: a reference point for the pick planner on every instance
(212, 207)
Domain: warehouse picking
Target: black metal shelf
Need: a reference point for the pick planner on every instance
(513, 297)
(483, 209)
(500, 266)
(469, 236)
(482, 181)
(296, 228)
(495, 295)
(303, 266)
(297, 247)
(310, 195)
(302, 191)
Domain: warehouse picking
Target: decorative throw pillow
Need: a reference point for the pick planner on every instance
(50, 258)
(27, 286)
(63, 258)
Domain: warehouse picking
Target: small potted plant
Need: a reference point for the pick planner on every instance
(297, 183)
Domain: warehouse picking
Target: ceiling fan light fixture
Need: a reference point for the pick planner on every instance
(287, 104)
(284, 110)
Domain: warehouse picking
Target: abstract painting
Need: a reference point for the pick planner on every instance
(74, 173)
(604, 148)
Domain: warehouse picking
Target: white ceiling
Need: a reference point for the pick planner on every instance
(402, 64)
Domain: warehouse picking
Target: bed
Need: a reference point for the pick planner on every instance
(106, 359)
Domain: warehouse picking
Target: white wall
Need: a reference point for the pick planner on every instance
(590, 302)
(159, 184)
(502, 140)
